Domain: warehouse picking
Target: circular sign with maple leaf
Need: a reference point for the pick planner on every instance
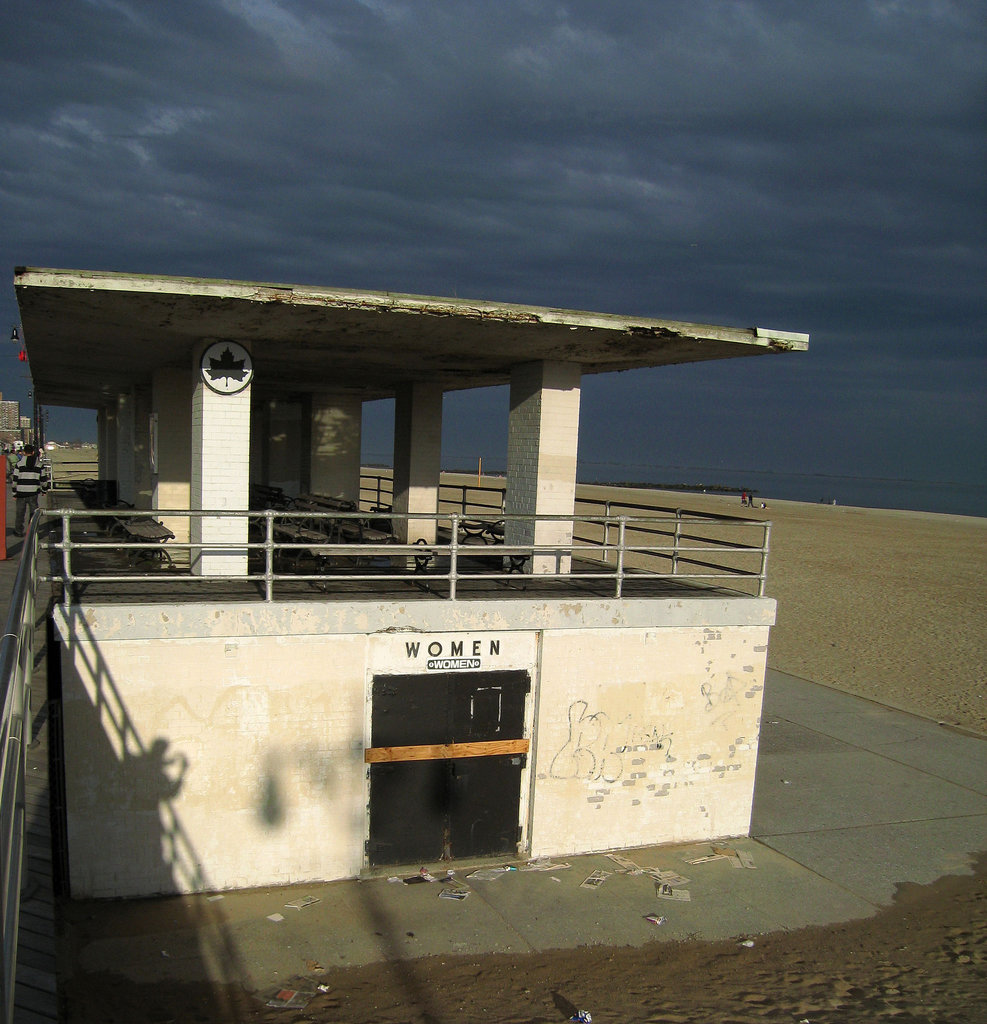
(227, 367)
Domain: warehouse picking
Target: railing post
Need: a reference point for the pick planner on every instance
(453, 557)
(622, 537)
(268, 555)
(676, 540)
(763, 579)
(67, 556)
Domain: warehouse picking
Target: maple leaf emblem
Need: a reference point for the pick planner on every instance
(227, 366)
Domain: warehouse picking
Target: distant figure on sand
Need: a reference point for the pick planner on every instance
(743, 498)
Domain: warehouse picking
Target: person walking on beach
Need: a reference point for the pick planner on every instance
(30, 479)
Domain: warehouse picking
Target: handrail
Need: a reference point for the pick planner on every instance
(629, 546)
(16, 665)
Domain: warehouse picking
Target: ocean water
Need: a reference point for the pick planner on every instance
(866, 492)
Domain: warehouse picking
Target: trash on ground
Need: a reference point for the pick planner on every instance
(666, 877)
(275, 917)
(454, 893)
(666, 892)
(323, 988)
(290, 999)
(543, 864)
(394, 878)
(212, 899)
(315, 966)
(706, 860)
(748, 943)
(303, 901)
(487, 874)
(595, 880)
(655, 918)
(627, 867)
(582, 1017)
(746, 860)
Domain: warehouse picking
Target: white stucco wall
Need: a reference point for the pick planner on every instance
(222, 746)
(646, 736)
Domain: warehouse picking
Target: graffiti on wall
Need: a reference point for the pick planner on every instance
(599, 748)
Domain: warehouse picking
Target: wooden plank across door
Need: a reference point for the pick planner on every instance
(443, 751)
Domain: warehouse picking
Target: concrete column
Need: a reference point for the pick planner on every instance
(417, 458)
(220, 476)
(543, 433)
(143, 484)
(171, 446)
(284, 436)
(334, 469)
(108, 442)
(125, 448)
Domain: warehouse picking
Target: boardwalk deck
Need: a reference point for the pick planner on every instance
(36, 987)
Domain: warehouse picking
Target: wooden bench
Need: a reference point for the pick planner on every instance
(144, 530)
(265, 496)
(349, 529)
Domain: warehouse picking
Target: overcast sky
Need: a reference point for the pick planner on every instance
(806, 166)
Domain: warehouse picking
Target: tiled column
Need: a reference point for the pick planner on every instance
(171, 456)
(220, 477)
(334, 468)
(543, 432)
(417, 458)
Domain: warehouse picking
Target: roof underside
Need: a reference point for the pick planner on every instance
(91, 336)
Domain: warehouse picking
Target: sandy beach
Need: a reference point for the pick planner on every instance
(886, 605)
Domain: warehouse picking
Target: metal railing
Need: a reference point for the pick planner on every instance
(276, 546)
(16, 665)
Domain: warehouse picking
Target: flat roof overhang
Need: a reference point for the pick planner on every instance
(91, 335)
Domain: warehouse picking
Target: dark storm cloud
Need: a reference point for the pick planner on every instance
(809, 167)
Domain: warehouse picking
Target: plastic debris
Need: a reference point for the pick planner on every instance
(666, 892)
(543, 864)
(627, 867)
(747, 943)
(290, 999)
(213, 899)
(595, 880)
(303, 901)
(667, 877)
(655, 919)
(487, 874)
(275, 917)
(706, 859)
(454, 893)
(581, 1017)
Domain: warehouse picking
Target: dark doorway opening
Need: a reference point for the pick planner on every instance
(427, 802)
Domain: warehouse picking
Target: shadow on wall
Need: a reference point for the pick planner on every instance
(142, 780)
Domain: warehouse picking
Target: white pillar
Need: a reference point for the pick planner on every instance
(220, 472)
(543, 433)
(170, 442)
(334, 467)
(417, 459)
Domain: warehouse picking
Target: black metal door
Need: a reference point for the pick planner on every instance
(428, 807)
